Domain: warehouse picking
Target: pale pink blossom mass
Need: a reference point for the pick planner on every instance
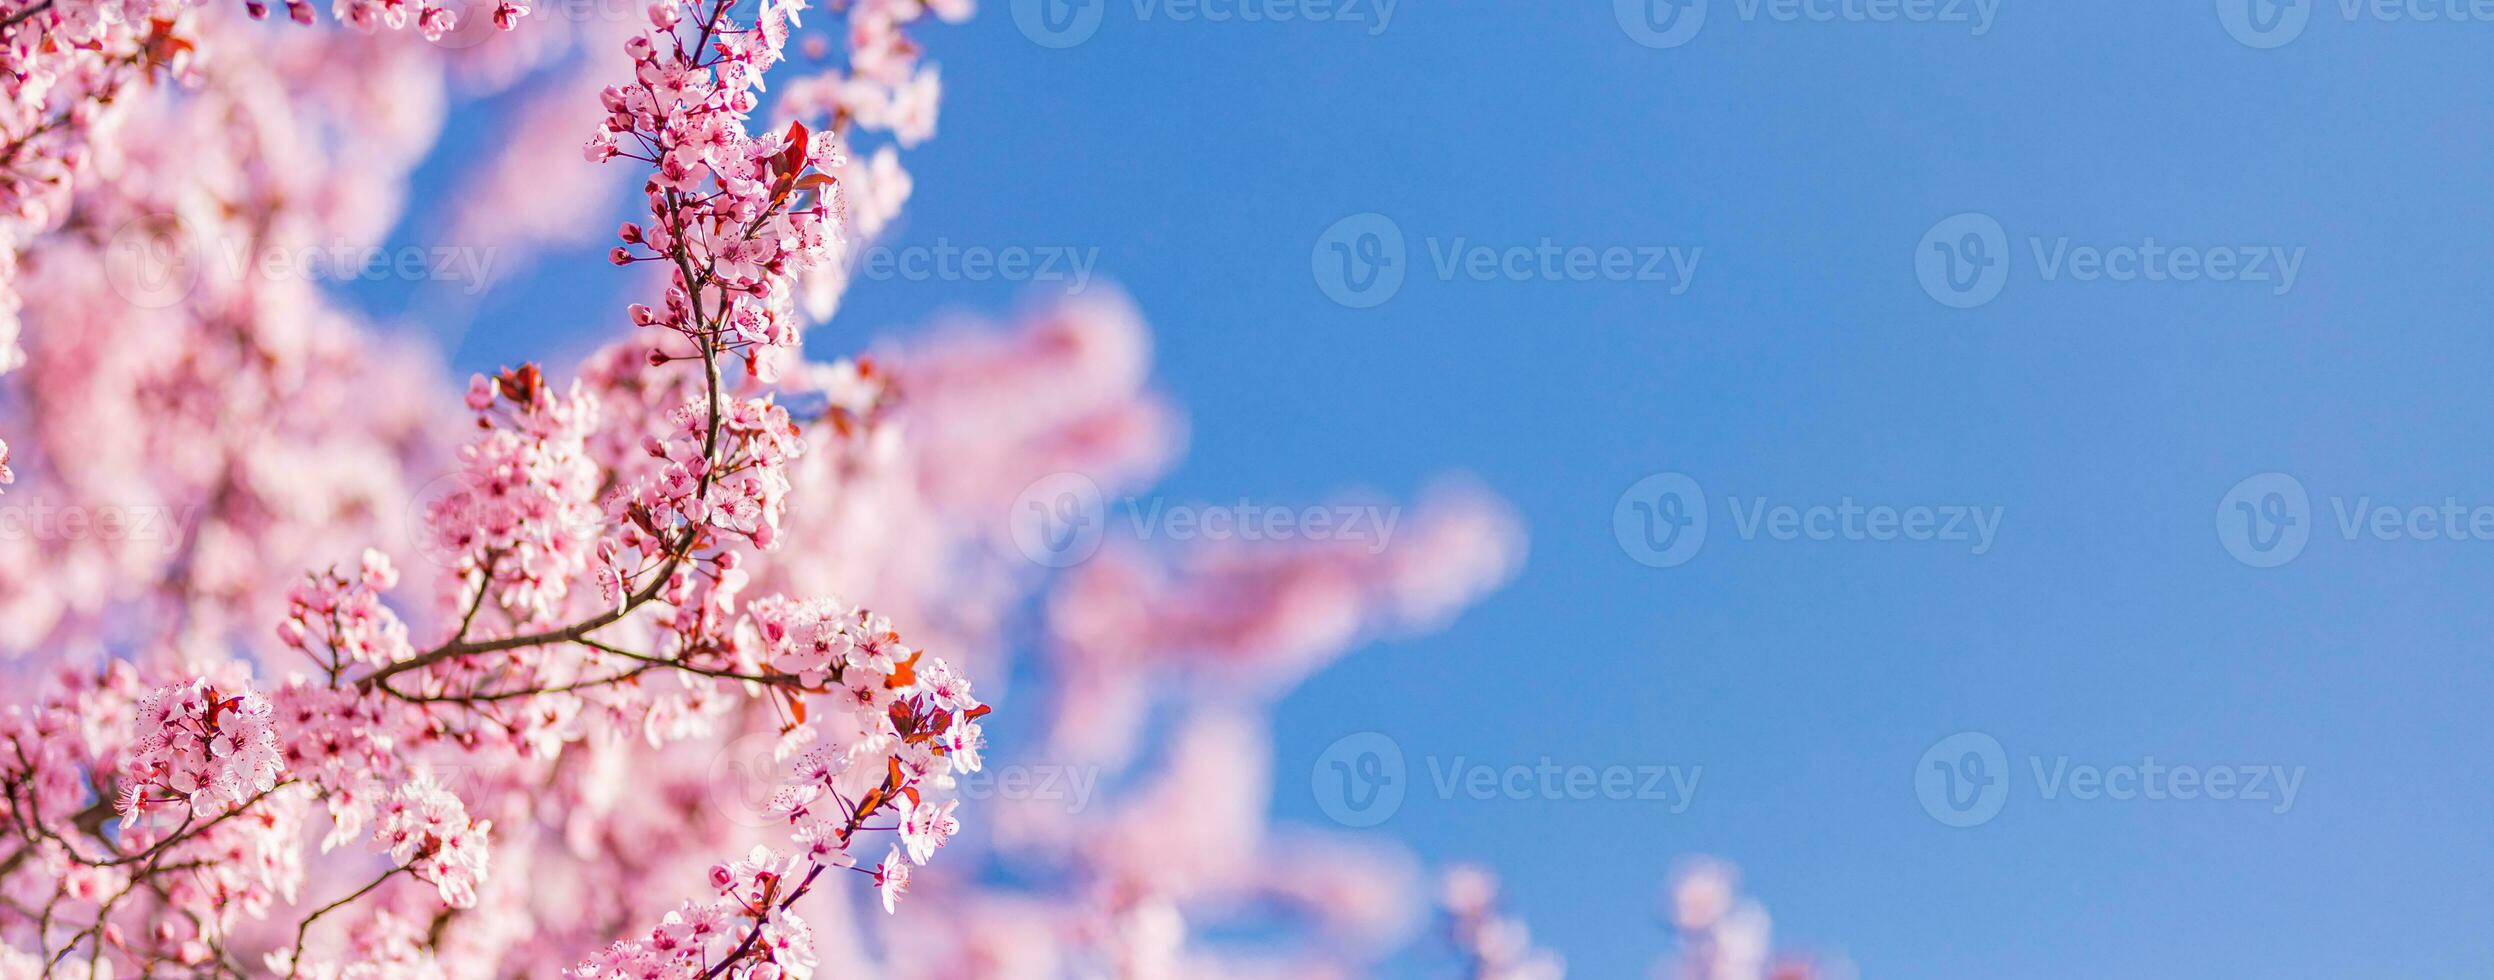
(697, 658)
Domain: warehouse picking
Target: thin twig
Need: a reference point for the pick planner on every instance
(294, 964)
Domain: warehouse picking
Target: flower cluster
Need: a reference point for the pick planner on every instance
(78, 721)
(345, 618)
(428, 16)
(817, 639)
(913, 728)
(428, 832)
(734, 933)
(268, 430)
(882, 88)
(342, 743)
(1727, 936)
(204, 749)
(904, 731)
(431, 19)
(72, 68)
(585, 657)
(518, 516)
(734, 215)
(389, 946)
(240, 869)
(1495, 946)
(731, 478)
(520, 675)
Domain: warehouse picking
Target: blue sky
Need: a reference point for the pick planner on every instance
(2105, 418)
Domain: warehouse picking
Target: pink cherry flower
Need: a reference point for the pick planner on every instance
(427, 831)
(200, 750)
(926, 826)
(892, 879)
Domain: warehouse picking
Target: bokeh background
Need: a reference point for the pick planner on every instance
(1803, 160)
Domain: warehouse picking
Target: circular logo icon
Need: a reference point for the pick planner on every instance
(1359, 780)
(745, 776)
(1058, 23)
(2265, 520)
(1660, 23)
(152, 262)
(1359, 261)
(1963, 780)
(1057, 521)
(443, 501)
(2264, 24)
(1964, 260)
(1661, 520)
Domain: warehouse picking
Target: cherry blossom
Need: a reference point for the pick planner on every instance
(672, 661)
(1495, 946)
(200, 751)
(428, 832)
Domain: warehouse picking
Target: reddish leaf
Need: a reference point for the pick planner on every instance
(904, 673)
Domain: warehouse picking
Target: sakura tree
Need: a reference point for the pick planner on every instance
(658, 664)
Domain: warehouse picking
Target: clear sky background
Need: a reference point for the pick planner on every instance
(1806, 363)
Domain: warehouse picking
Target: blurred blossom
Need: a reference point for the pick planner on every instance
(686, 659)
